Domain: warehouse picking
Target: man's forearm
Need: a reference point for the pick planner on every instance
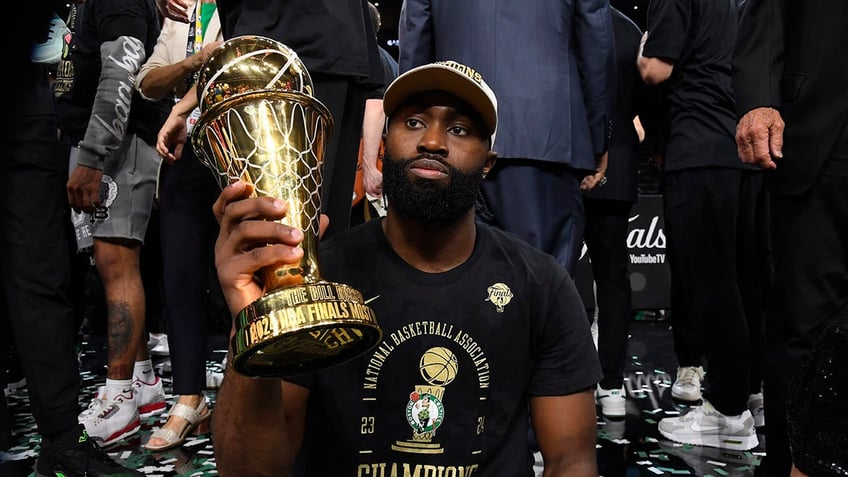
(652, 70)
(372, 131)
(162, 80)
(121, 59)
(187, 103)
(249, 427)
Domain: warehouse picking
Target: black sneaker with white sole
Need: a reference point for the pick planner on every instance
(75, 455)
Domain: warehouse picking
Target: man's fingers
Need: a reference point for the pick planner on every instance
(256, 234)
(323, 223)
(81, 198)
(744, 146)
(74, 199)
(759, 137)
(162, 146)
(752, 144)
(589, 182)
(252, 222)
(776, 139)
(236, 191)
(261, 257)
(178, 151)
(760, 146)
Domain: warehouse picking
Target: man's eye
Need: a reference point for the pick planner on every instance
(458, 130)
(413, 123)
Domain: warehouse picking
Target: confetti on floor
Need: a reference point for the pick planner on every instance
(625, 447)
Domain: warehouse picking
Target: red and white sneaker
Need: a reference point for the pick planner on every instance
(149, 396)
(109, 421)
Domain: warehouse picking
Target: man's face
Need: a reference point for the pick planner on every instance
(436, 154)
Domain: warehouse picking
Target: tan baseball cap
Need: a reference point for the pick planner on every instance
(451, 77)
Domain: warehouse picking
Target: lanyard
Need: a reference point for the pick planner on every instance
(194, 39)
(194, 42)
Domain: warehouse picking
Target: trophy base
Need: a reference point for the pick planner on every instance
(303, 328)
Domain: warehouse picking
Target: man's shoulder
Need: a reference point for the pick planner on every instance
(351, 239)
(513, 246)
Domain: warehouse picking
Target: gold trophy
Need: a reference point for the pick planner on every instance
(260, 123)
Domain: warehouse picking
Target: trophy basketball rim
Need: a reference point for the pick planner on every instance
(260, 123)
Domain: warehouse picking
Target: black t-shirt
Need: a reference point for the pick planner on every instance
(78, 74)
(461, 353)
(698, 37)
(333, 37)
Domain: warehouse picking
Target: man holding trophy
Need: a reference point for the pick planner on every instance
(479, 335)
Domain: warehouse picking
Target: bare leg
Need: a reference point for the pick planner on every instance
(118, 266)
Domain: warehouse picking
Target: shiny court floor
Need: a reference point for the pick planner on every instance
(630, 447)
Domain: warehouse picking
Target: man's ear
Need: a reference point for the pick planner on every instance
(490, 162)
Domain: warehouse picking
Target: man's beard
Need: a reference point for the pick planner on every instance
(430, 201)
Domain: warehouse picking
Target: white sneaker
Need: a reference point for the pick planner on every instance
(613, 429)
(687, 386)
(157, 344)
(109, 421)
(50, 51)
(755, 405)
(706, 426)
(12, 388)
(613, 402)
(149, 396)
(213, 378)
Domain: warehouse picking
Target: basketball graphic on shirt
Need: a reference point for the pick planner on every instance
(439, 366)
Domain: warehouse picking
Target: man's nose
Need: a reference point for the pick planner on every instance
(434, 140)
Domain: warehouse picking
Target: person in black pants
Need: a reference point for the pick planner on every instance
(710, 200)
(607, 209)
(793, 122)
(187, 190)
(35, 256)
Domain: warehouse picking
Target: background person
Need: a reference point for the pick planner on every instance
(793, 112)
(187, 190)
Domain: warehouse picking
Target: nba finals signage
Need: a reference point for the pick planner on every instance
(647, 259)
(646, 248)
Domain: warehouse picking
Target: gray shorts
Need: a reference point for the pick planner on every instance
(127, 191)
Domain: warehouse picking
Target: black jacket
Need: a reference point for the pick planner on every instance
(791, 55)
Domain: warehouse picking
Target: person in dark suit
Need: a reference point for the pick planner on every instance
(549, 64)
(607, 214)
(790, 77)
